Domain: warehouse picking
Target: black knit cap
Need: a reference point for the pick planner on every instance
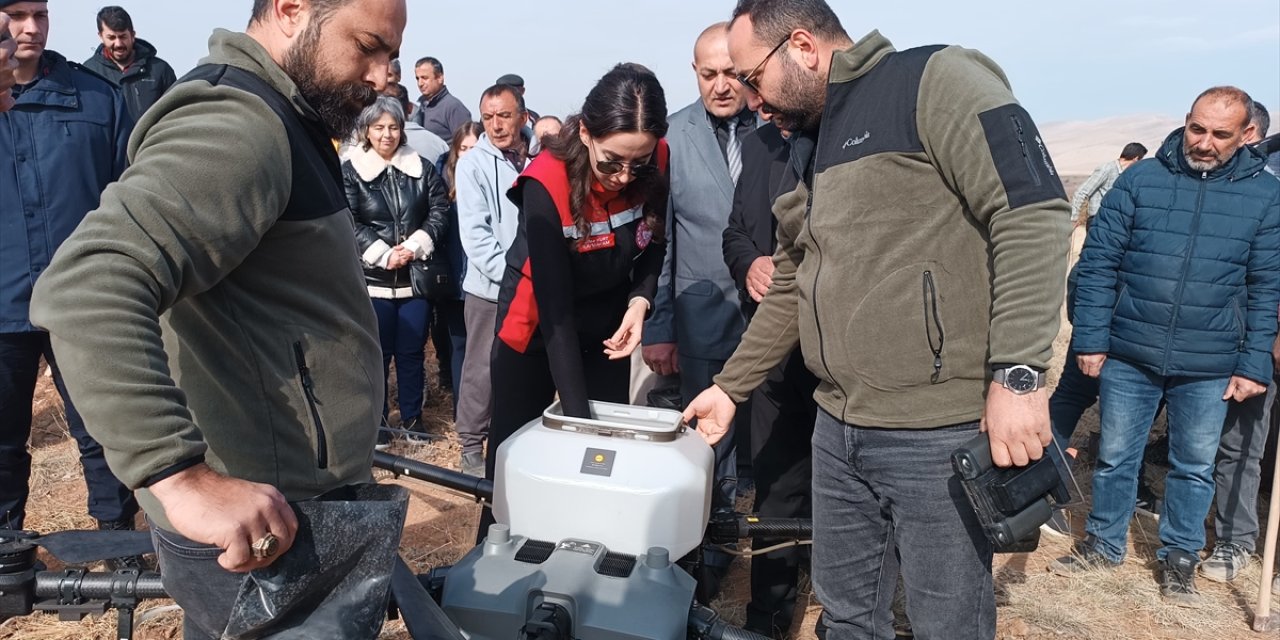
(508, 79)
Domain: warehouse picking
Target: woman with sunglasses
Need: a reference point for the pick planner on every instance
(583, 269)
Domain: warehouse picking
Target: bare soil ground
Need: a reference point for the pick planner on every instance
(1033, 604)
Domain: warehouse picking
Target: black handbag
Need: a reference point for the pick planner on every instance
(431, 278)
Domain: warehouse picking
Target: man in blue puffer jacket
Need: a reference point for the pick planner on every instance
(1178, 286)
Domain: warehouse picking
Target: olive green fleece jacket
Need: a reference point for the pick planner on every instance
(934, 246)
(184, 309)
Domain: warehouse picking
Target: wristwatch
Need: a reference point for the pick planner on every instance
(1019, 378)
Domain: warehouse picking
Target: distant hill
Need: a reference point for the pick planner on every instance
(1078, 147)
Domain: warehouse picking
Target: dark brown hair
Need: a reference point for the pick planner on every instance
(628, 99)
(1229, 94)
(455, 142)
(773, 20)
(320, 9)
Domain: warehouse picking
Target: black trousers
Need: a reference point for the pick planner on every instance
(783, 414)
(109, 500)
(523, 388)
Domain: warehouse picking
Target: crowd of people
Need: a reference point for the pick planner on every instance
(842, 261)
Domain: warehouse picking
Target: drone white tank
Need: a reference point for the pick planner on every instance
(629, 478)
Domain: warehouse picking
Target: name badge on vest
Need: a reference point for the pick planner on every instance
(596, 243)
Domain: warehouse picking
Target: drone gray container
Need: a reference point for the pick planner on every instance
(495, 589)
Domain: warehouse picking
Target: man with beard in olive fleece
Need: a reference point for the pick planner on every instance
(211, 315)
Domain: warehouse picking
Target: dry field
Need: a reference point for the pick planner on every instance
(1034, 605)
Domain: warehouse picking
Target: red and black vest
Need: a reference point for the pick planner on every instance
(600, 264)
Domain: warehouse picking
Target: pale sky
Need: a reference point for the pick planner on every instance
(1078, 60)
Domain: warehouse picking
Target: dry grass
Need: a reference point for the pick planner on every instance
(440, 528)
(1124, 604)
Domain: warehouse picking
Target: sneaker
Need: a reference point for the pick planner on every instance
(1083, 558)
(1148, 503)
(384, 437)
(1226, 562)
(122, 562)
(1058, 525)
(417, 430)
(1177, 577)
(472, 463)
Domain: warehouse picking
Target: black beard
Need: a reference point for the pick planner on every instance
(337, 106)
(806, 94)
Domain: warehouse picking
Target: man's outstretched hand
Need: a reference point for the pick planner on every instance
(714, 411)
(8, 48)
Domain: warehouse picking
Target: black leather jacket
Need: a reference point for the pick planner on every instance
(390, 206)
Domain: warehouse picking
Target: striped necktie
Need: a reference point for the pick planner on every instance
(733, 150)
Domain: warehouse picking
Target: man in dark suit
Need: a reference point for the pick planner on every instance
(696, 322)
(782, 408)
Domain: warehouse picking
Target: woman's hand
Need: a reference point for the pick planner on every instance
(400, 257)
(627, 337)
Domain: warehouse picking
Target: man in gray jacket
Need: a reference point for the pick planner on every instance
(1095, 188)
(696, 322)
(487, 222)
(438, 110)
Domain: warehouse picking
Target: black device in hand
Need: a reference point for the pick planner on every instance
(1011, 502)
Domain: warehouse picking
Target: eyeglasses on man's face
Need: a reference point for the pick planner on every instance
(746, 79)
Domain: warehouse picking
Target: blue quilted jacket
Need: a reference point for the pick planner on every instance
(1181, 270)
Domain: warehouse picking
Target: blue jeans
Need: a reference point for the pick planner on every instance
(886, 501)
(1130, 397)
(402, 330)
(1074, 394)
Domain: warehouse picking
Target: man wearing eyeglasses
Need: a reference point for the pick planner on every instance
(487, 222)
(920, 266)
(696, 322)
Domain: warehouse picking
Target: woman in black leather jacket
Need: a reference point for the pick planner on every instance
(400, 205)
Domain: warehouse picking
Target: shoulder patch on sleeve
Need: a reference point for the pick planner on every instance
(1026, 170)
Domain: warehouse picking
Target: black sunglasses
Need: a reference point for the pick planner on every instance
(614, 167)
(745, 79)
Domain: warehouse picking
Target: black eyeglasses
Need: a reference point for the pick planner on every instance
(745, 79)
(614, 167)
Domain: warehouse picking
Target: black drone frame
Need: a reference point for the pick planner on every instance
(25, 586)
